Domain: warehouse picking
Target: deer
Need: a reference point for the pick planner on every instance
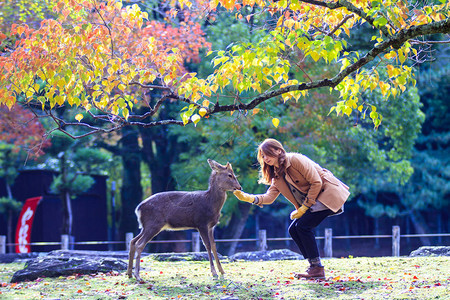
(181, 210)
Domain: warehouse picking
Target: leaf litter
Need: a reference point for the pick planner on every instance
(346, 278)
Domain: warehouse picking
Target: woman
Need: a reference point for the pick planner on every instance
(314, 191)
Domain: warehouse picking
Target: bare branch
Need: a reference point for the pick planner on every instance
(109, 30)
(150, 86)
(350, 7)
(429, 42)
(340, 24)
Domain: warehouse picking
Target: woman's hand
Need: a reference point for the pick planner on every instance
(247, 198)
(299, 212)
(244, 196)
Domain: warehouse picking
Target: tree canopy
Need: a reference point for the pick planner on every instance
(105, 58)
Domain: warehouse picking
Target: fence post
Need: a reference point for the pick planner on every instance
(262, 240)
(396, 240)
(328, 242)
(64, 242)
(2, 244)
(195, 241)
(128, 238)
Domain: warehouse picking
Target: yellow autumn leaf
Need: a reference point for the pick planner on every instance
(315, 56)
(275, 122)
(79, 117)
(125, 113)
(195, 118)
(202, 112)
(255, 111)
(390, 55)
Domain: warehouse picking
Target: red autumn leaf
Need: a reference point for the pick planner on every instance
(415, 277)
(79, 291)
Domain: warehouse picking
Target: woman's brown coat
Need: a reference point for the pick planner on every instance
(309, 178)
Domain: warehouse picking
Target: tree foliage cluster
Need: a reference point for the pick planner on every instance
(103, 56)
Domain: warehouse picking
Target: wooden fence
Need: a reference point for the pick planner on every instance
(262, 240)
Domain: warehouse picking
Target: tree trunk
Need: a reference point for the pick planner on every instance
(238, 225)
(131, 190)
(421, 227)
(10, 238)
(159, 151)
(10, 231)
(376, 232)
(67, 214)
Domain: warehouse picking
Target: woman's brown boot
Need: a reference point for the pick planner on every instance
(313, 272)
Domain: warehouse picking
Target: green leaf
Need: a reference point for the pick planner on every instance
(125, 113)
(380, 22)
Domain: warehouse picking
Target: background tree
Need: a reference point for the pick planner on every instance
(429, 189)
(9, 171)
(74, 165)
(20, 134)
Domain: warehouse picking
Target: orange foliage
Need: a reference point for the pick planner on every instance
(91, 42)
(22, 128)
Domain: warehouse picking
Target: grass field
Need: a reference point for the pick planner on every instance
(347, 278)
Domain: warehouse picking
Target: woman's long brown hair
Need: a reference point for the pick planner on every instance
(269, 148)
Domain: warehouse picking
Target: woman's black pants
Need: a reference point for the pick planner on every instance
(301, 231)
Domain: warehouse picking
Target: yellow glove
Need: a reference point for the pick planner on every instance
(299, 212)
(244, 196)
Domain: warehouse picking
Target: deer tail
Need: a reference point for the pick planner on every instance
(137, 211)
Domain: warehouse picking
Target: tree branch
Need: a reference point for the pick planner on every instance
(340, 24)
(150, 86)
(350, 7)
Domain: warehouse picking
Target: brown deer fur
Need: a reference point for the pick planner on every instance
(179, 210)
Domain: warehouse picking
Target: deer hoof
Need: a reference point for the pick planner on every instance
(138, 278)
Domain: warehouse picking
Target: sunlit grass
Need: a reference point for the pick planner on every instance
(347, 278)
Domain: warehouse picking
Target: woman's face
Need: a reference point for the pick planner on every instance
(270, 160)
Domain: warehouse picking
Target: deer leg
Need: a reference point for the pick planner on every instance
(147, 235)
(205, 238)
(131, 254)
(214, 249)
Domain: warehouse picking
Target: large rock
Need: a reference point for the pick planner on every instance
(65, 263)
(431, 251)
(281, 254)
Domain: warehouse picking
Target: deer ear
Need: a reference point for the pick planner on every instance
(213, 164)
(229, 166)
